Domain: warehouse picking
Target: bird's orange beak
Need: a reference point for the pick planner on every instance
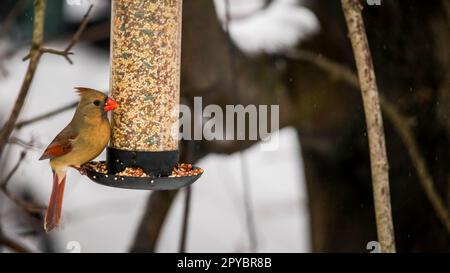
(110, 105)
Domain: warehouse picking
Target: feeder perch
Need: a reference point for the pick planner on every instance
(145, 81)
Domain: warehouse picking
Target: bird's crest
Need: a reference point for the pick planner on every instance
(84, 90)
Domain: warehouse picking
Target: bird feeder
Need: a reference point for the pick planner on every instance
(145, 82)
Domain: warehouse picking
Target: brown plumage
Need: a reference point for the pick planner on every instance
(79, 142)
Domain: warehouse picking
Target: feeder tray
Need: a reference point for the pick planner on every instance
(140, 183)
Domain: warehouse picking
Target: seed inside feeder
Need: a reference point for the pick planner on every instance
(145, 74)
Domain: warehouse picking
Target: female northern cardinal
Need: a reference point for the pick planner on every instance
(81, 141)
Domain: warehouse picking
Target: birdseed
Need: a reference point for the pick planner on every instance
(98, 167)
(180, 170)
(145, 74)
(133, 172)
(184, 169)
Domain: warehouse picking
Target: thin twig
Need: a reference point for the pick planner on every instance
(249, 217)
(75, 38)
(401, 124)
(187, 206)
(149, 228)
(80, 30)
(5, 181)
(426, 180)
(35, 55)
(64, 53)
(377, 143)
(5, 26)
(336, 70)
(52, 113)
(31, 144)
(27, 206)
(11, 244)
(186, 155)
(98, 32)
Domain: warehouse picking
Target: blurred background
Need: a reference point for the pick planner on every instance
(312, 194)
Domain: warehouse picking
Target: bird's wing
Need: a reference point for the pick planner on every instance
(61, 145)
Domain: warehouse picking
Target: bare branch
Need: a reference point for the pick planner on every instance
(5, 181)
(75, 38)
(185, 225)
(31, 144)
(80, 30)
(425, 178)
(63, 53)
(377, 143)
(335, 69)
(35, 55)
(52, 113)
(149, 229)
(5, 26)
(15, 246)
(97, 32)
(27, 206)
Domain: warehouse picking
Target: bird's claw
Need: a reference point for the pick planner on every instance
(80, 169)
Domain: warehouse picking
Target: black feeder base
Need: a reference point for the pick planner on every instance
(142, 183)
(158, 165)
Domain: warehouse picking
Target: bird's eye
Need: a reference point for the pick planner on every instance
(97, 102)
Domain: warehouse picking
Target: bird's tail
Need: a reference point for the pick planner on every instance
(53, 213)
